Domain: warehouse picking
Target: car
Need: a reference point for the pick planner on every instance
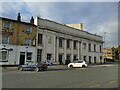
(78, 63)
(33, 66)
(49, 62)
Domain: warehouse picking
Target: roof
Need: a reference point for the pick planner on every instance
(27, 23)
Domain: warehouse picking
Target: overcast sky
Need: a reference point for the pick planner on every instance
(97, 17)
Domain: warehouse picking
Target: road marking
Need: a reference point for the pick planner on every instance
(97, 85)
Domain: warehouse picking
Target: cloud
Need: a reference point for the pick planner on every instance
(96, 17)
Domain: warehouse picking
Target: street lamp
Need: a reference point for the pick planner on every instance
(104, 47)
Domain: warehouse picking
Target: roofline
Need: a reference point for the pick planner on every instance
(17, 21)
(70, 27)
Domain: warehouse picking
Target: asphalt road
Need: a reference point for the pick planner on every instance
(91, 77)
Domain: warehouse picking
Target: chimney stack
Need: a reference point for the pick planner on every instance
(18, 17)
(32, 20)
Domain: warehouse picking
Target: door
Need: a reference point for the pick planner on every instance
(60, 59)
(22, 58)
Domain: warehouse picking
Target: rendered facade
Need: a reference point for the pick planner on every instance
(60, 43)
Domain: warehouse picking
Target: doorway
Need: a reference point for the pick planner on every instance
(22, 58)
(60, 59)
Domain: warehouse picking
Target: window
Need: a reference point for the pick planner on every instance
(6, 25)
(60, 42)
(5, 39)
(29, 55)
(28, 29)
(49, 56)
(94, 48)
(27, 42)
(68, 57)
(94, 59)
(39, 55)
(90, 58)
(75, 44)
(40, 36)
(100, 48)
(84, 58)
(75, 57)
(89, 47)
(68, 43)
(50, 40)
(84, 46)
(3, 56)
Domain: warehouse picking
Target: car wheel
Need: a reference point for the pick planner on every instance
(21, 68)
(83, 66)
(37, 69)
(71, 66)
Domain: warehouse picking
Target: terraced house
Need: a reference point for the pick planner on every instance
(17, 43)
(59, 42)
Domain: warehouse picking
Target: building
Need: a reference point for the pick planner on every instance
(77, 26)
(58, 42)
(109, 53)
(17, 43)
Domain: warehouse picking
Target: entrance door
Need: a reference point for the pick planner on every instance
(60, 59)
(22, 58)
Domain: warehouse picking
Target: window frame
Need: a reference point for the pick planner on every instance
(1, 59)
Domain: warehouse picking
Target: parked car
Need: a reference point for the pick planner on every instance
(33, 66)
(78, 63)
(49, 62)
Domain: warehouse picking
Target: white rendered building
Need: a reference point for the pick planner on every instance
(58, 42)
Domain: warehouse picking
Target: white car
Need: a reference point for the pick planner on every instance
(78, 63)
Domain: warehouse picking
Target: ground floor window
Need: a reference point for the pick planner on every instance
(75, 57)
(49, 56)
(100, 59)
(3, 56)
(90, 58)
(29, 56)
(84, 58)
(94, 59)
(39, 55)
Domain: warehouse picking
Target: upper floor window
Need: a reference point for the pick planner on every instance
(28, 29)
(94, 48)
(40, 36)
(27, 42)
(84, 46)
(68, 43)
(5, 39)
(6, 25)
(75, 44)
(89, 47)
(100, 48)
(60, 42)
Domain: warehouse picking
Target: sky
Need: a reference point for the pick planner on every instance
(97, 17)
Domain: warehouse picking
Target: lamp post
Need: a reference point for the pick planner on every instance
(104, 47)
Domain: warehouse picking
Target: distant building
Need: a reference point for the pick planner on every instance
(76, 26)
(17, 43)
(109, 53)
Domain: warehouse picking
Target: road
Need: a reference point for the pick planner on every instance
(91, 77)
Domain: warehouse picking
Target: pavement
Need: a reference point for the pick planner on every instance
(57, 67)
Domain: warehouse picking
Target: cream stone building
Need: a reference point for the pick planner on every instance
(77, 26)
(59, 42)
